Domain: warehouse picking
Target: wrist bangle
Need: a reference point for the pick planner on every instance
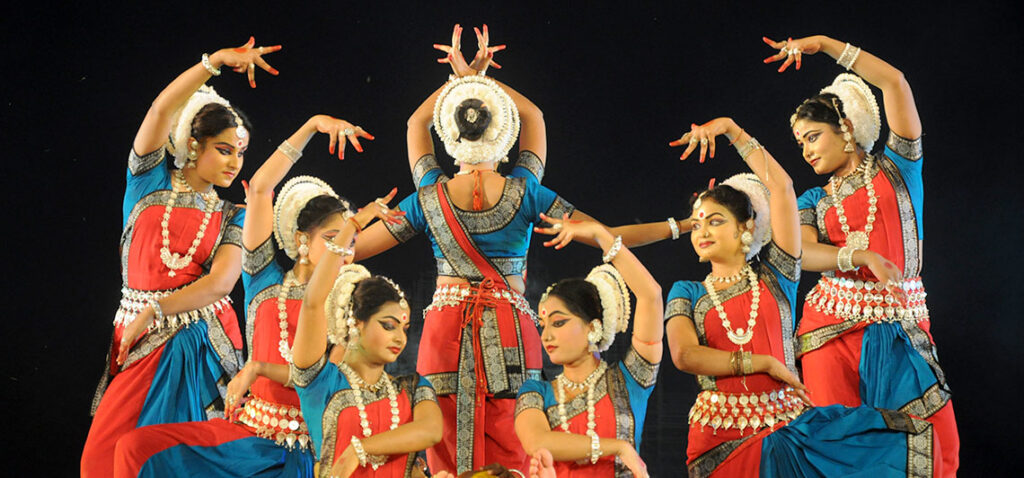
(289, 151)
(748, 362)
(848, 57)
(734, 363)
(844, 259)
(750, 146)
(209, 66)
(674, 227)
(339, 250)
(158, 312)
(613, 251)
(355, 223)
(357, 445)
(595, 448)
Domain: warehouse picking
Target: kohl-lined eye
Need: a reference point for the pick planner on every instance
(717, 222)
(387, 325)
(224, 151)
(695, 225)
(559, 323)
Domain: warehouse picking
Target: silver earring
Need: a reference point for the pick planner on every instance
(849, 148)
(303, 249)
(747, 239)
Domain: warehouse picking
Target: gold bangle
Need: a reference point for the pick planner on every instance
(748, 363)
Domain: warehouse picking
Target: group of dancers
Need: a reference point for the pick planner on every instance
(313, 399)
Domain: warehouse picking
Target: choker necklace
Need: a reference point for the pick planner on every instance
(733, 278)
(175, 261)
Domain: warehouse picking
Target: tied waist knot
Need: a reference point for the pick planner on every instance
(480, 297)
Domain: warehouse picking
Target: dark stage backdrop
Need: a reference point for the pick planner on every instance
(616, 84)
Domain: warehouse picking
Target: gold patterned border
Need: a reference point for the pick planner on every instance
(808, 218)
(678, 306)
(140, 164)
(529, 400)
(430, 203)
(908, 148)
(232, 235)
(296, 292)
(560, 207)
(531, 162)
(505, 265)
(302, 377)
(402, 231)
(785, 316)
(788, 265)
(704, 465)
(424, 165)
(498, 216)
(908, 219)
(922, 343)
(645, 373)
(258, 259)
(815, 339)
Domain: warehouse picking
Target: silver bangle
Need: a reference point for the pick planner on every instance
(844, 259)
(339, 250)
(517, 472)
(357, 445)
(848, 57)
(613, 251)
(158, 312)
(595, 448)
(293, 154)
(674, 227)
(749, 147)
(209, 66)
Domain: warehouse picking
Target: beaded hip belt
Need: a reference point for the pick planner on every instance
(456, 294)
(868, 301)
(134, 301)
(281, 423)
(741, 411)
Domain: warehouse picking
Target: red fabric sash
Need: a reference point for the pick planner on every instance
(481, 297)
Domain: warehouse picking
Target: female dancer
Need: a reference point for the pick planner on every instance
(362, 421)
(479, 341)
(591, 417)
(175, 334)
(864, 336)
(751, 418)
(307, 214)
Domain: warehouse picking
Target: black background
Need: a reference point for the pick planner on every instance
(615, 82)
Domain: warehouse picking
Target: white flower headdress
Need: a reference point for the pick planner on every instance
(500, 134)
(339, 302)
(293, 197)
(340, 318)
(182, 121)
(757, 192)
(614, 294)
(859, 106)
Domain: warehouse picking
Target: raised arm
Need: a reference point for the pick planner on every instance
(259, 216)
(647, 326)
(785, 220)
(417, 136)
(532, 130)
(311, 332)
(900, 109)
(156, 126)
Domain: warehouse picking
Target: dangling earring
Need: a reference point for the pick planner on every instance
(747, 238)
(353, 331)
(303, 249)
(849, 148)
(193, 153)
(595, 335)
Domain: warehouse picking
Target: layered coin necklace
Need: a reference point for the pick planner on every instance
(358, 384)
(738, 336)
(282, 314)
(588, 385)
(858, 240)
(175, 261)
